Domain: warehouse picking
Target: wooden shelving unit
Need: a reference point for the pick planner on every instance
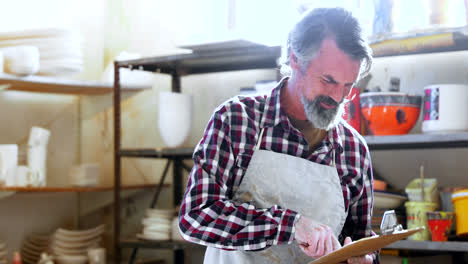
(41, 84)
(75, 189)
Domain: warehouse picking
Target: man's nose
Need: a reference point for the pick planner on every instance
(339, 93)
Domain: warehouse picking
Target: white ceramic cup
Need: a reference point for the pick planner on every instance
(443, 107)
(97, 255)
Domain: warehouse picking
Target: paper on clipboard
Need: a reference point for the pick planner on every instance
(364, 246)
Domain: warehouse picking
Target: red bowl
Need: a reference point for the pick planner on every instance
(390, 113)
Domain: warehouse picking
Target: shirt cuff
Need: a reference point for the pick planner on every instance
(287, 227)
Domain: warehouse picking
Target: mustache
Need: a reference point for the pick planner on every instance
(327, 100)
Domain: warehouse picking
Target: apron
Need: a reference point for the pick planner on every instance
(272, 178)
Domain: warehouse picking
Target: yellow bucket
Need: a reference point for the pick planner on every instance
(416, 217)
(460, 201)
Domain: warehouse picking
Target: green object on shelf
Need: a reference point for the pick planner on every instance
(404, 261)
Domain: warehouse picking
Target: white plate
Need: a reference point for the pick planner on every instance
(388, 200)
(151, 237)
(155, 221)
(229, 44)
(35, 33)
(157, 228)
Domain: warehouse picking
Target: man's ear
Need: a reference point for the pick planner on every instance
(294, 63)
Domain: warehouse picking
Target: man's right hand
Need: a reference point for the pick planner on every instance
(315, 239)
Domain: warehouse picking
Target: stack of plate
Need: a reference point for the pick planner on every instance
(75, 242)
(3, 253)
(157, 224)
(33, 246)
(59, 49)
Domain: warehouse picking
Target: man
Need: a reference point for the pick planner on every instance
(281, 178)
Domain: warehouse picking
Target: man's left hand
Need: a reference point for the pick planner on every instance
(366, 259)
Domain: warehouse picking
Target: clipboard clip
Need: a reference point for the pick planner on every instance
(389, 224)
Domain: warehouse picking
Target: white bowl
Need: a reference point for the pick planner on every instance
(77, 239)
(388, 200)
(65, 259)
(77, 244)
(156, 228)
(81, 233)
(59, 251)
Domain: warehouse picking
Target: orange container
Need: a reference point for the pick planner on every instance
(460, 202)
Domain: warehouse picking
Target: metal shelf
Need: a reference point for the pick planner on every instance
(254, 57)
(418, 141)
(162, 153)
(449, 246)
(169, 244)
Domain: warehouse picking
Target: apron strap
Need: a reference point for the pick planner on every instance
(259, 140)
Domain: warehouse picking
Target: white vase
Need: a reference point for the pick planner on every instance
(175, 117)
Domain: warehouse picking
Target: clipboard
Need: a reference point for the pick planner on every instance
(364, 246)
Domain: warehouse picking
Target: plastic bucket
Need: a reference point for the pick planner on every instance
(460, 201)
(416, 217)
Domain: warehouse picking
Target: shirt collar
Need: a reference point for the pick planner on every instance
(274, 115)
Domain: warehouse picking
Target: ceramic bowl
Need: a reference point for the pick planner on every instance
(153, 236)
(81, 233)
(59, 251)
(66, 259)
(390, 113)
(380, 185)
(388, 200)
(77, 244)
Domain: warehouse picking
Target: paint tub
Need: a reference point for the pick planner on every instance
(416, 217)
(439, 224)
(460, 201)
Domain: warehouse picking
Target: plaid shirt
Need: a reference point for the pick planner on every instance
(209, 217)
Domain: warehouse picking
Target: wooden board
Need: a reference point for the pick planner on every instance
(364, 246)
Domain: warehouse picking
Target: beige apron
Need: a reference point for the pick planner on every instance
(312, 189)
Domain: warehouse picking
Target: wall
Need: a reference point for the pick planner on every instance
(154, 28)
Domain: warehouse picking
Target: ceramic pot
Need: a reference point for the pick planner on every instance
(175, 117)
(443, 104)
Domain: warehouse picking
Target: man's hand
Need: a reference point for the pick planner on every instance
(315, 239)
(367, 259)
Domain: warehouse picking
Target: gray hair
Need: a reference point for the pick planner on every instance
(306, 37)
